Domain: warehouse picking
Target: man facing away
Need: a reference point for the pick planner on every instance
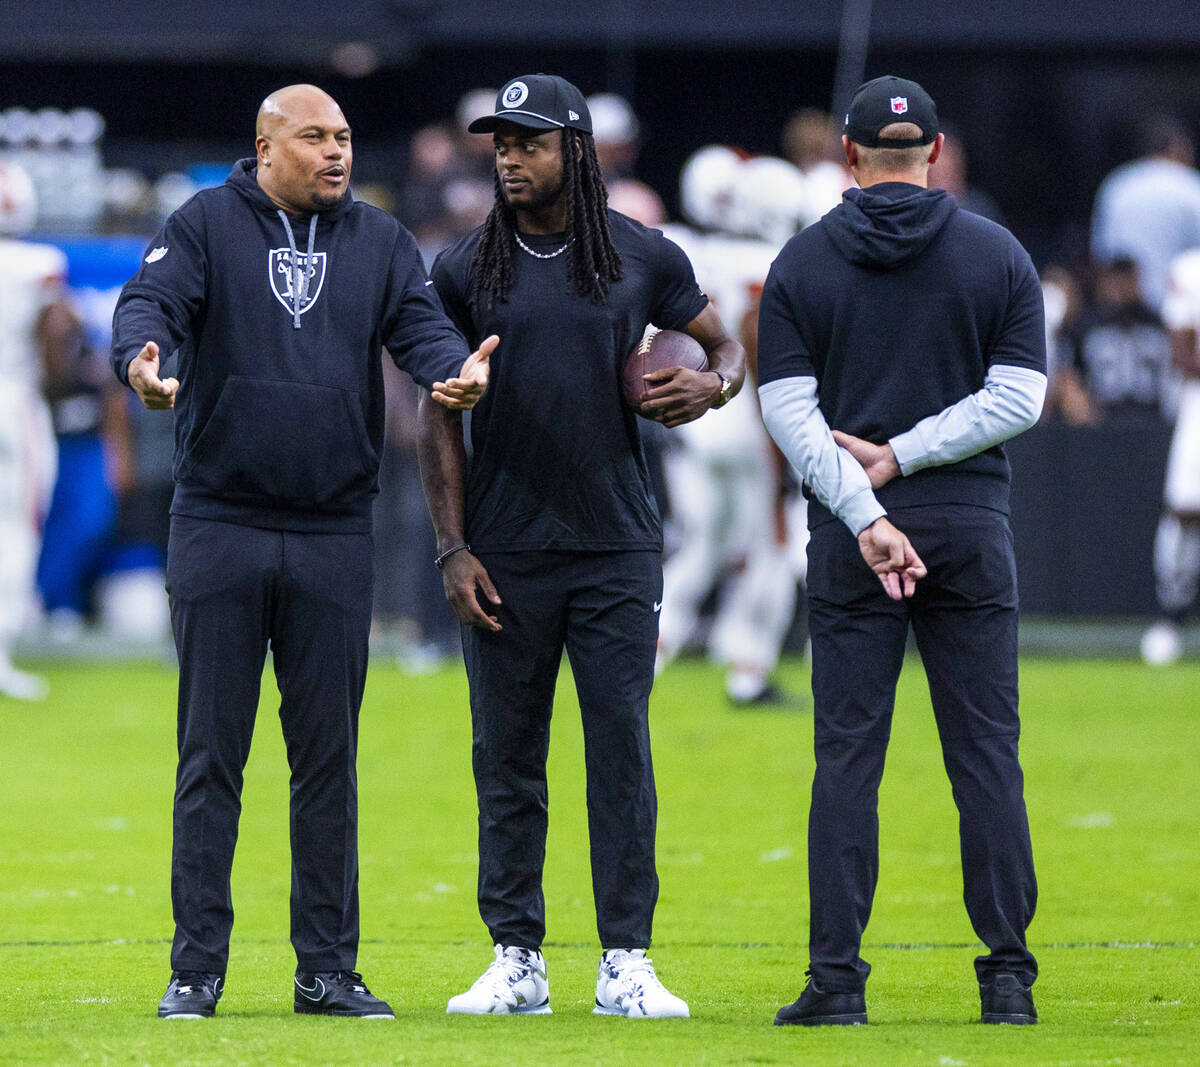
(279, 291)
(915, 330)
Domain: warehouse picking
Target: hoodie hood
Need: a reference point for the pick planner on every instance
(244, 178)
(886, 225)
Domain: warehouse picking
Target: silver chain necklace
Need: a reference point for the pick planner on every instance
(540, 255)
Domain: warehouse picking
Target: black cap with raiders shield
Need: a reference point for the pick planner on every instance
(539, 102)
(882, 101)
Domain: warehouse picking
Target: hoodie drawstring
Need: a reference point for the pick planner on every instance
(299, 276)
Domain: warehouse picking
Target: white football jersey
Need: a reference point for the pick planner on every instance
(732, 272)
(31, 276)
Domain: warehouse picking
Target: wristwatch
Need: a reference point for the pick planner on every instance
(726, 393)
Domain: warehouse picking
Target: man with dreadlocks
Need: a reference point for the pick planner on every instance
(554, 539)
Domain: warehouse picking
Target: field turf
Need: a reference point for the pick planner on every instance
(1110, 751)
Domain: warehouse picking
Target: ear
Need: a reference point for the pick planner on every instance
(851, 150)
(937, 148)
(262, 148)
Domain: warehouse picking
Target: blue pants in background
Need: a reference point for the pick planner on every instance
(79, 526)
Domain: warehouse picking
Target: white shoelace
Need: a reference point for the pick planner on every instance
(503, 972)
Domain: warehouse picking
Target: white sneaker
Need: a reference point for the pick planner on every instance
(1162, 644)
(514, 984)
(21, 686)
(627, 985)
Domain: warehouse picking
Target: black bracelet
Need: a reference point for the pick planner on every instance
(440, 562)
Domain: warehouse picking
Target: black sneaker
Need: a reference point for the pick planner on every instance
(191, 995)
(815, 1007)
(1006, 1000)
(338, 993)
(770, 698)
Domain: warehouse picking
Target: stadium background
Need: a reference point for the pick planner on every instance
(1045, 97)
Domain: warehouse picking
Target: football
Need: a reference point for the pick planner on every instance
(659, 351)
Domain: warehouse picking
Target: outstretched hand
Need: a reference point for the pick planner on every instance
(156, 393)
(879, 461)
(462, 576)
(890, 555)
(463, 393)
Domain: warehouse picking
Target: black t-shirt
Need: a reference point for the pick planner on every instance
(557, 459)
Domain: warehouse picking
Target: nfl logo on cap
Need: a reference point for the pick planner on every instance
(899, 104)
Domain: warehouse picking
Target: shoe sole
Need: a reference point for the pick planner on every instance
(306, 1010)
(185, 1015)
(600, 1010)
(857, 1019)
(1009, 1020)
(537, 1009)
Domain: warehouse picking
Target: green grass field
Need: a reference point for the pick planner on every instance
(1110, 751)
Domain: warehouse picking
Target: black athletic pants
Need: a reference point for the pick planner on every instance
(964, 617)
(234, 590)
(602, 608)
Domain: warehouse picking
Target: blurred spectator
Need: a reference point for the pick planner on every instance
(1066, 394)
(31, 280)
(812, 143)
(433, 162)
(1121, 350)
(1149, 210)
(615, 130)
(441, 196)
(476, 153)
(88, 414)
(950, 173)
(1177, 540)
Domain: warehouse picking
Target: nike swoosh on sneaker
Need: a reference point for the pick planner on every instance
(318, 988)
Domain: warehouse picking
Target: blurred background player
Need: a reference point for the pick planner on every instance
(1177, 541)
(95, 462)
(724, 476)
(31, 280)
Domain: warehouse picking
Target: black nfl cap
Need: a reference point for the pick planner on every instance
(540, 102)
(882, 101)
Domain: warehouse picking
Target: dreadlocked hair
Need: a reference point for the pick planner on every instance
(593, 262)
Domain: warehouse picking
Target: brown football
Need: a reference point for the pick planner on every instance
(659, 351)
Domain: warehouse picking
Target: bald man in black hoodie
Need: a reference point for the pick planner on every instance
(279, 292)
(914, 330)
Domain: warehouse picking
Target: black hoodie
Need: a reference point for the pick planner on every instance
(898, 302)
(279, 415)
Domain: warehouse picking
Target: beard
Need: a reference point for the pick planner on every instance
(324, 201)
(534, 200)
